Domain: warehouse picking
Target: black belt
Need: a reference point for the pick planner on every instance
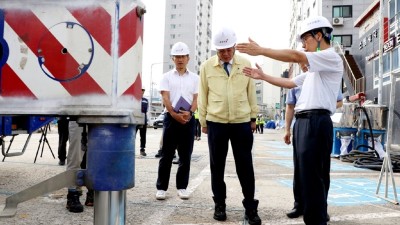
(311, 112)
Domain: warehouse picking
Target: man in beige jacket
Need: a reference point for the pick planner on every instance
(227, 112)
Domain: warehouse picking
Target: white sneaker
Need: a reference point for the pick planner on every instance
(183, 194)
(160, 195)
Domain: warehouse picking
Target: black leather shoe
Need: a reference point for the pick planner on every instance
(159, 154)
(252, 217)
(294, 213)
(220, 213)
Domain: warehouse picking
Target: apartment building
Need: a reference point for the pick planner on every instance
(188, 21)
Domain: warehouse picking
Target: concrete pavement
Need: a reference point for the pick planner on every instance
(352, 197)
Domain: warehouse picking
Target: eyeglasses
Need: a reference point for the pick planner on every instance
(304, 39)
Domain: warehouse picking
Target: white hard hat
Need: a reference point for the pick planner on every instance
(224, 38)
(180, 48)
(316, 22)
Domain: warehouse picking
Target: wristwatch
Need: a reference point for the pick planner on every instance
(191, 113)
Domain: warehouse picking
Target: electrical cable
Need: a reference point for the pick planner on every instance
(370, 129)
(369, 159)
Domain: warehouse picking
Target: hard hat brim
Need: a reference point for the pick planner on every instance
(219, 47)
(179, 54)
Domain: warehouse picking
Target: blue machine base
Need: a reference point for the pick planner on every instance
(362, 138)
(10, 125)
(111, 157)
(339, 132)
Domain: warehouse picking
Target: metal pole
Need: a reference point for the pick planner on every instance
(151, 88)
(109, 207)
(381, 39)
(151, 84)
(387, 162)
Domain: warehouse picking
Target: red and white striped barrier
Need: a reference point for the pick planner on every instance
(70, 57)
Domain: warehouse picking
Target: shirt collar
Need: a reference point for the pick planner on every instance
(222, 62)
(177, 73)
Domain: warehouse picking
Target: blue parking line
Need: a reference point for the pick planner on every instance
(280, 148)
(343, 191)
(334, 165)
(352, 191)
(278, 144)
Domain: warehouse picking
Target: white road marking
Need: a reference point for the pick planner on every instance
(160, 215)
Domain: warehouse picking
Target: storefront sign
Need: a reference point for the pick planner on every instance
(372, 55)
(398, 38)
(387, 46)
(375, 33)
(368, 38)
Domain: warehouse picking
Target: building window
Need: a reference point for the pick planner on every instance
(344, 40)
(173, 6)
(376, 68)
(173, 16)
(386, 63)
(394, 7)
(394, 10)
(388, 58)
(342, 11)
(398, 5)
(173, 26)
(395, 59)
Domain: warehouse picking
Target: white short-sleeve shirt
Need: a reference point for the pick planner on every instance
(320, 85)
(185, 85)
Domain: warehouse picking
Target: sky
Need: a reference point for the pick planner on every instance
(265, 21)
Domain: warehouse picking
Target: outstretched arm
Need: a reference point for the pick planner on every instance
(260, 75)
(284, 55)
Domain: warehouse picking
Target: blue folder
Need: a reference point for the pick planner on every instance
(182, 104)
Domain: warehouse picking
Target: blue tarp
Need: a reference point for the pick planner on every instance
(270, 125)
